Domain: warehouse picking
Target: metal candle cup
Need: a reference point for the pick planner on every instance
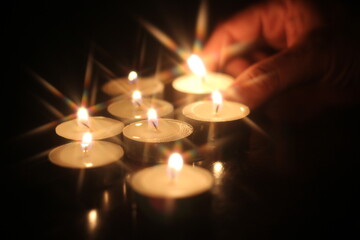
(166, 199)
(145, 143)
(224, 129)
(190, 88)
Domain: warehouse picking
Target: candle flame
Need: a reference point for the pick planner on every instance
(218, 169)
(136, 98)
(86, 141)
(83, 117)
(175, 165)
(132, 76)
(217, 100)
(152, 118)
(196, 65)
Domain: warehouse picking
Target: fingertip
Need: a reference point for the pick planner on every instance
(236, 66)
(246, 92)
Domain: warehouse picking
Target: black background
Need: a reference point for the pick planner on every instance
(54, 38)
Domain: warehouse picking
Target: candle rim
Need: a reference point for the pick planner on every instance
(76, 134)
(146, 101)
(121, 86)
(188, 113)
(190, 77)
(146, 192)
(71, 163)
(145, 122)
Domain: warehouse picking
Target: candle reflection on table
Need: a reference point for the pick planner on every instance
(92, 220)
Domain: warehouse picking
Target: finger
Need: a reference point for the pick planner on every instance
(226, 34)
(236, 66)
(261, 21)
(265, 79)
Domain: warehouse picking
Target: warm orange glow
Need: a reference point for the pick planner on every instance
(92, 219)
(136, 98)
(196, 65)
(132, 76)
(152, 118)
(175, 165)
(216, 97)
(217, 100)
(218, 169)
(82, 114)
(83, 117)
(86, 141)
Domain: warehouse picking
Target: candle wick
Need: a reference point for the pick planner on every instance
(153, 123)
(85, 150)
(203, 79)
(172, 175)
(138, 104)
(86, 125)
(217, 108)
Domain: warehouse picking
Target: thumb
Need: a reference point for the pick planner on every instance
(267, 78)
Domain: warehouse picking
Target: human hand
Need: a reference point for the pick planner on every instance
(310, 52)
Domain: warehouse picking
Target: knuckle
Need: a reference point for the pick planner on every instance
(265, 79)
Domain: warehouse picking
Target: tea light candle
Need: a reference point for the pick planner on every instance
(136, 109)
(172, 180)
(216, 110)
(86, 154)
(100, 127)
(216, 119)
(199, 83)
(144, 140)
(192, 84)
(175, 190)
(149, 86)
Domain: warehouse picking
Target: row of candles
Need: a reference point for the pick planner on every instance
(146, 124)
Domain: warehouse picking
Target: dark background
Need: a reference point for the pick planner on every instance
(308, 182)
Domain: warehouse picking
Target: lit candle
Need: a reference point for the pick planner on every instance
(100, 127)
(136, 98)
(217, 101)
(216, 119)
(152, 119)
(216, 110)
(136, 109)
(145, 140)
(149, 86)
(83, 118)
(199, 83)
(174, 189)
(197, 66)
(86, 154)
(133, 76)
(86, 141)
(175, 164)
(172, 180)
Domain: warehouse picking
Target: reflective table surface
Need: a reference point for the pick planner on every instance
(291, 181)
